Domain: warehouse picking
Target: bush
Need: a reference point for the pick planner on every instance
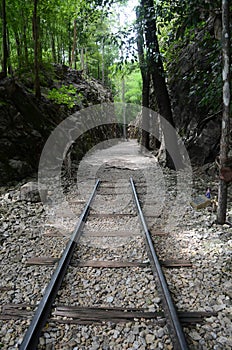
(65, 95)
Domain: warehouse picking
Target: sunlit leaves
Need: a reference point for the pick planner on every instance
(65, 95)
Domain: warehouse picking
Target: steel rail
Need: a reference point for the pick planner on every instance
(31, 338)
(179, 341)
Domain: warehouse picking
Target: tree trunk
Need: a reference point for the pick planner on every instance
(69, 45)
(145, 137)
(23, 31)
(103, 61)
(36, 50)
(83, 65)
(10, 69)
(40, 35)
(25, 45)
(224, 144)
(158, 78)
(53, 48)
(18, 48)
(64, 56)
(58, 50)
(124, 108)
(98, 70)
(86, 69)
(73, 62)
(4, 40)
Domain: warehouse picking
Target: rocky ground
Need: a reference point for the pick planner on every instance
(206, 286)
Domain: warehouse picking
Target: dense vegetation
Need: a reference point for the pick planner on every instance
(194, 33)
(75, 33)
(88, 35)
(168, 59)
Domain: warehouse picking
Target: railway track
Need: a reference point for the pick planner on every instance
(43, 311)
(108, 305)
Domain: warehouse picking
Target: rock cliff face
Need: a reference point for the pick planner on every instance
(26, 123)
(194, 79)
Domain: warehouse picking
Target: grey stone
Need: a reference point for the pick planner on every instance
(220, 307)
(110, 299)
(160, 333)
(149, 338)
(195, 335)
(31, 192)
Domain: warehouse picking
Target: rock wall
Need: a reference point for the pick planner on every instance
(194, 80)
(26, 123)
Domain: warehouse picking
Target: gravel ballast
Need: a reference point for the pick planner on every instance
(28, 230)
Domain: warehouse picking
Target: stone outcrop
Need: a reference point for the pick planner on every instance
(26, 122)
(195, 89)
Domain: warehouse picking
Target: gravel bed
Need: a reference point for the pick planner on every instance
(207, 286)
(111, 204)
(128, 287)
(134, 251)
(131, 336)
(118, 224)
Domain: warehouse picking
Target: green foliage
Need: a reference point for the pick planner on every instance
(65, 95)
(56, 33)
(186, 37)
(185, 13)
(110, 47)
(133, 87)
(132, 82)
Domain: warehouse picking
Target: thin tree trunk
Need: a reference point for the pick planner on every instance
(18, 48)
(103, 62)
(124, 109)
(4, 40)
(69, 45)
(36, 50)
(40, 35)
(82, 59)
(58, 51)
(158, 78)
(25, 45)
(145, 137)
(53, 49)
(73, 63)
(224, 144)
(63, 54)
(98, 69)
(86, 69)
(10, 69)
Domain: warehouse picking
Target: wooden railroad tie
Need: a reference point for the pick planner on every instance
(55, 233)
(158, 233)
(172, 263)
(119, 233)
(90, 315)
(112, 215)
